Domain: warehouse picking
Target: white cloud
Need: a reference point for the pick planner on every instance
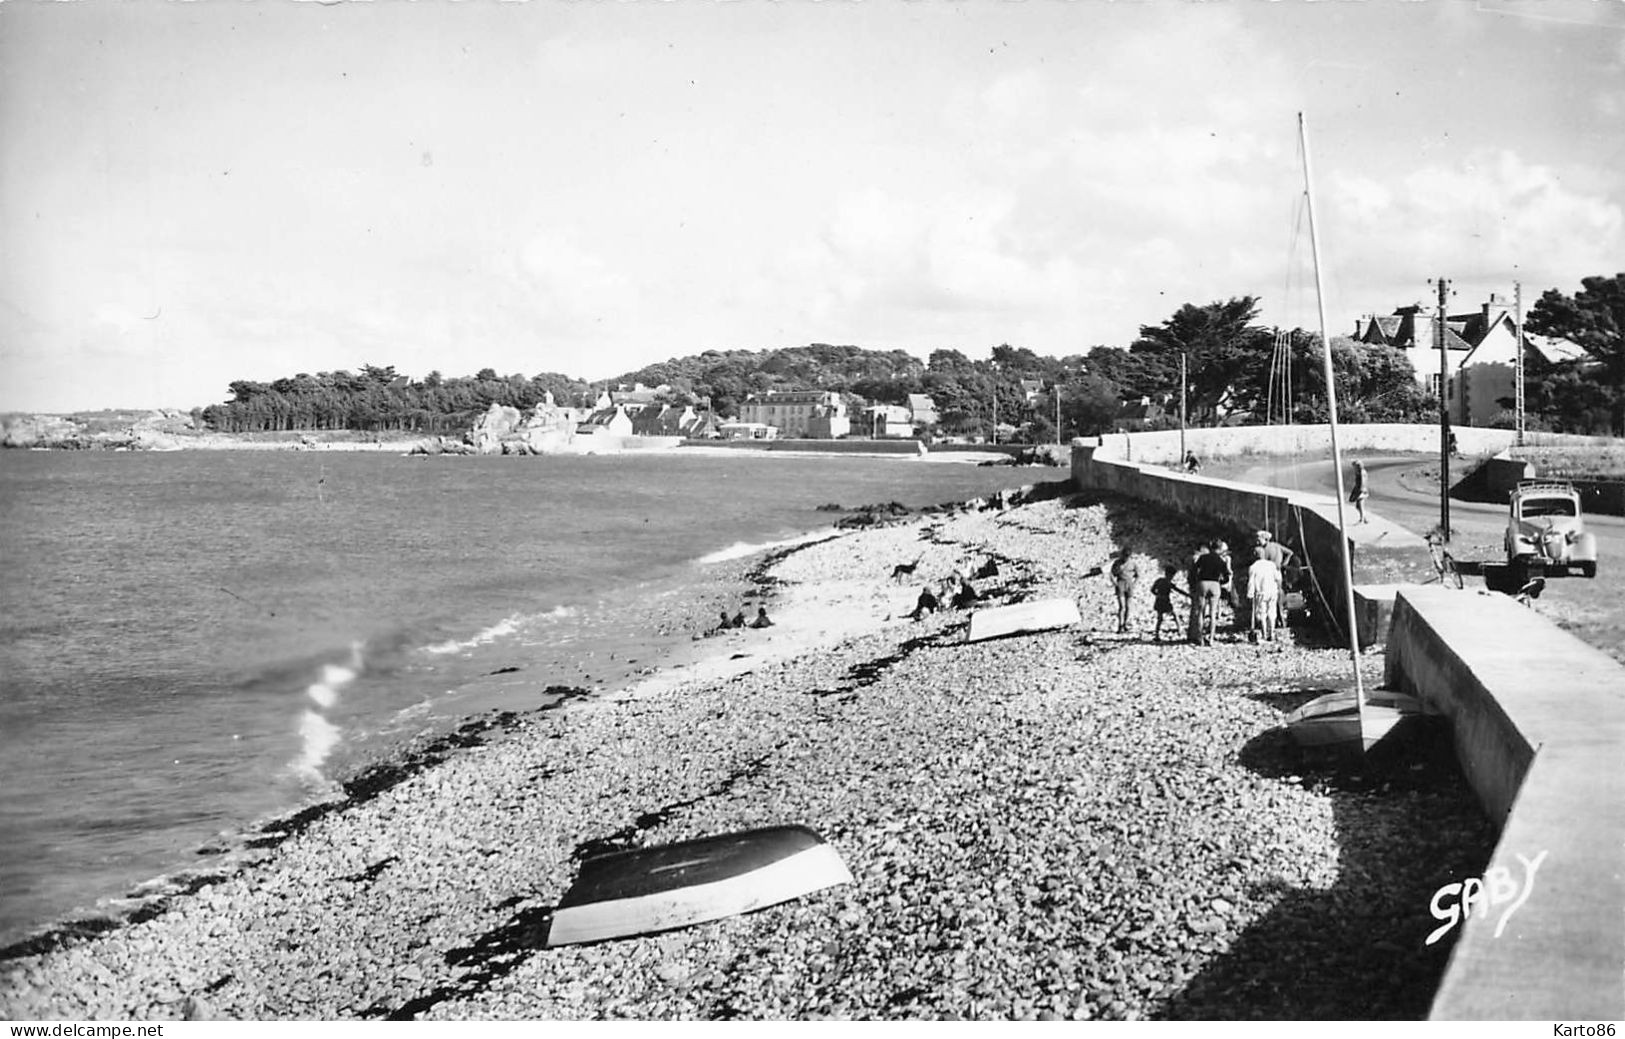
(570, 289)
(1492, 212)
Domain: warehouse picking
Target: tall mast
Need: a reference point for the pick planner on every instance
(1517, 382)
(1444, 415)
(1331, 406)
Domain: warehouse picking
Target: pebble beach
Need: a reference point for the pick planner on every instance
(1071, 824)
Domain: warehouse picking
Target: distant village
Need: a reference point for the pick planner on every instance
(639, 410)
(1480, 347)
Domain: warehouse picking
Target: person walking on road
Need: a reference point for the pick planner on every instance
(1361, 491)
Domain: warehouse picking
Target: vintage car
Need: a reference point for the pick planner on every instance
(1546, 535)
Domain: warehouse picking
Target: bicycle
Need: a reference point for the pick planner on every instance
(1444, 564)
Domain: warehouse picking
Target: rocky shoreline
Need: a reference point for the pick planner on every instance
(1068, 825)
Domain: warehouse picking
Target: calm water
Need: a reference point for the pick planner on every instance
(192, 641)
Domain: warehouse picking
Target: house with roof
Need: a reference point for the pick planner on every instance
(637, 395)
(1134, 416)
(815, 414)
(1413, 331)
(707, 426)
(611, 421)
(747, 431)
(1481, 350)
(892, 421)
(670, 420)
(922, 410)
(1488, 374)
(1032, 391)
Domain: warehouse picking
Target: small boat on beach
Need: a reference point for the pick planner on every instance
(1021, 618)
(1341, 719)
(647, 890)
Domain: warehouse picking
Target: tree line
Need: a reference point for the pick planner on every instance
(1235, 368)
(378, 398)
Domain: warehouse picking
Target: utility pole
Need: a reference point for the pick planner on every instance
(1517, 369)
(1182, 408)
(1444, 418)
(1057, 414)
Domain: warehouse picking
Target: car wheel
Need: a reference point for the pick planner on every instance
(1588, 569)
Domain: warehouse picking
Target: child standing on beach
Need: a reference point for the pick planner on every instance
(1163, 589)
(1125, 577)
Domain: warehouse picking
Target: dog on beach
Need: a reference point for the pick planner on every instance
(904, 569)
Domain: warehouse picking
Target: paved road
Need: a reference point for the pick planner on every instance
(1592, 609)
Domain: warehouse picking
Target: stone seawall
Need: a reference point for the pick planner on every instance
(833, 447)
(1162, 448)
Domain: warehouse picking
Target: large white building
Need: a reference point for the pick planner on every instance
(815, 414)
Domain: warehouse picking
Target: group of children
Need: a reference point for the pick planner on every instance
(738, 620)
(1211, 579)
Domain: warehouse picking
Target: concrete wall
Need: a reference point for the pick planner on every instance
(1602, 496)
(1502, 473)
(1162, 448)
(833, 447)
(1538, 719)
(1002, 449)
(1382, 554)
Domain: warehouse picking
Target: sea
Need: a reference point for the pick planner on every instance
(194, 642)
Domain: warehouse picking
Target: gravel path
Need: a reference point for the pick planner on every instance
(1063, 825)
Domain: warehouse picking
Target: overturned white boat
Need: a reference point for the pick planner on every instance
(646, 890)
(1023, 617)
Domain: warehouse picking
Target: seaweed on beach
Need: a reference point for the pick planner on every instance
(372, 872)
(490, 956)
(70, 933)
(868, 672)
(75, 931)
(627, 836)
(880, 515)
(761, 576)
(565, 694)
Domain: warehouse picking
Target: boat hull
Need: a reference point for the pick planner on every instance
(648, 890)
(1022, 618)
(1336, 720)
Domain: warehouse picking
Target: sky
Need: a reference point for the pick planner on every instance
(194, 193)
